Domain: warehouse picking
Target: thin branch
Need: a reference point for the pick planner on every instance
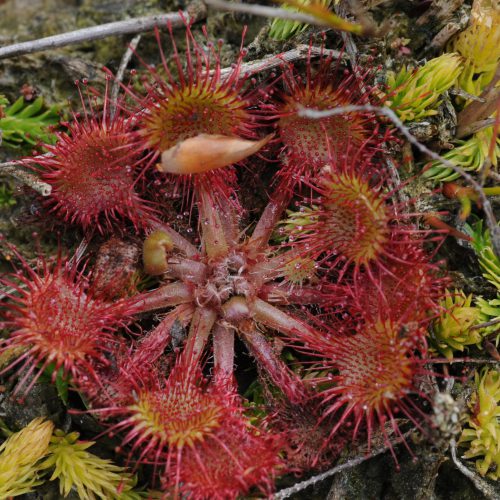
(263, 11)
(350, 45)
(121, 72)
(302, 51)
(488, 161)
(475, 127)
(118, 28)
(442, 37)
(285, 493)
(389, 113)
(494, 175)
(14, 170)
(481, 485)
(477, 111)
(470, 361)
(462, 93)
(486, 324)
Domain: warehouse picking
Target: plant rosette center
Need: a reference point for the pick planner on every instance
(227, 277)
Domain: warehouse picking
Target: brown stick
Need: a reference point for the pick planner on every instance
(475, 127)
(263, 11)
(302, 51)
(480, 110)
(15, 170)
(285, 493)
(118, 28)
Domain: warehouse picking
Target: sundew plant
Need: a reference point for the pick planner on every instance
(245, 292)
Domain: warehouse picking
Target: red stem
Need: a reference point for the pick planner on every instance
(223, 352)
(212, 227)
(285, 294)
(286, 380)
(272, 317)
(172, 294)
(270, 217)
(186, 270)
(199, 331)
(152, 346)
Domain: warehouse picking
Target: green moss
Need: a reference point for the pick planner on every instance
(414, 94)
(469, 155)
(28, 123)
(90, 475)
(489, 262)
(283, 29)
(452, 330)
(481, 436)
(6, 195)
(20, 458)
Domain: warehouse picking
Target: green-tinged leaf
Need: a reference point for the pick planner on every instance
(490, 311)
(489, 262)
(28, 123)
(6, 195)
(91, 476)
(281, 29)
(452, 330)
(481, 437)
(20, 458)
(479, 45)
(62, 385)
(469, 155)
(414, 95)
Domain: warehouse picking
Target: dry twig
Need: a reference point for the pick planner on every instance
(126, 27)
(286, 492)
(468, 361)
(121, 71)
(302, 51)
(482, 109)
(475, 127)
(263, 11)
(14, 169)
(479, 483)
(494, 175)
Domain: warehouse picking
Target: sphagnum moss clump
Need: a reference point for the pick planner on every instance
(480, 436)
(453, 331)
(20, 458)
(76, 468)
(414, 94)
